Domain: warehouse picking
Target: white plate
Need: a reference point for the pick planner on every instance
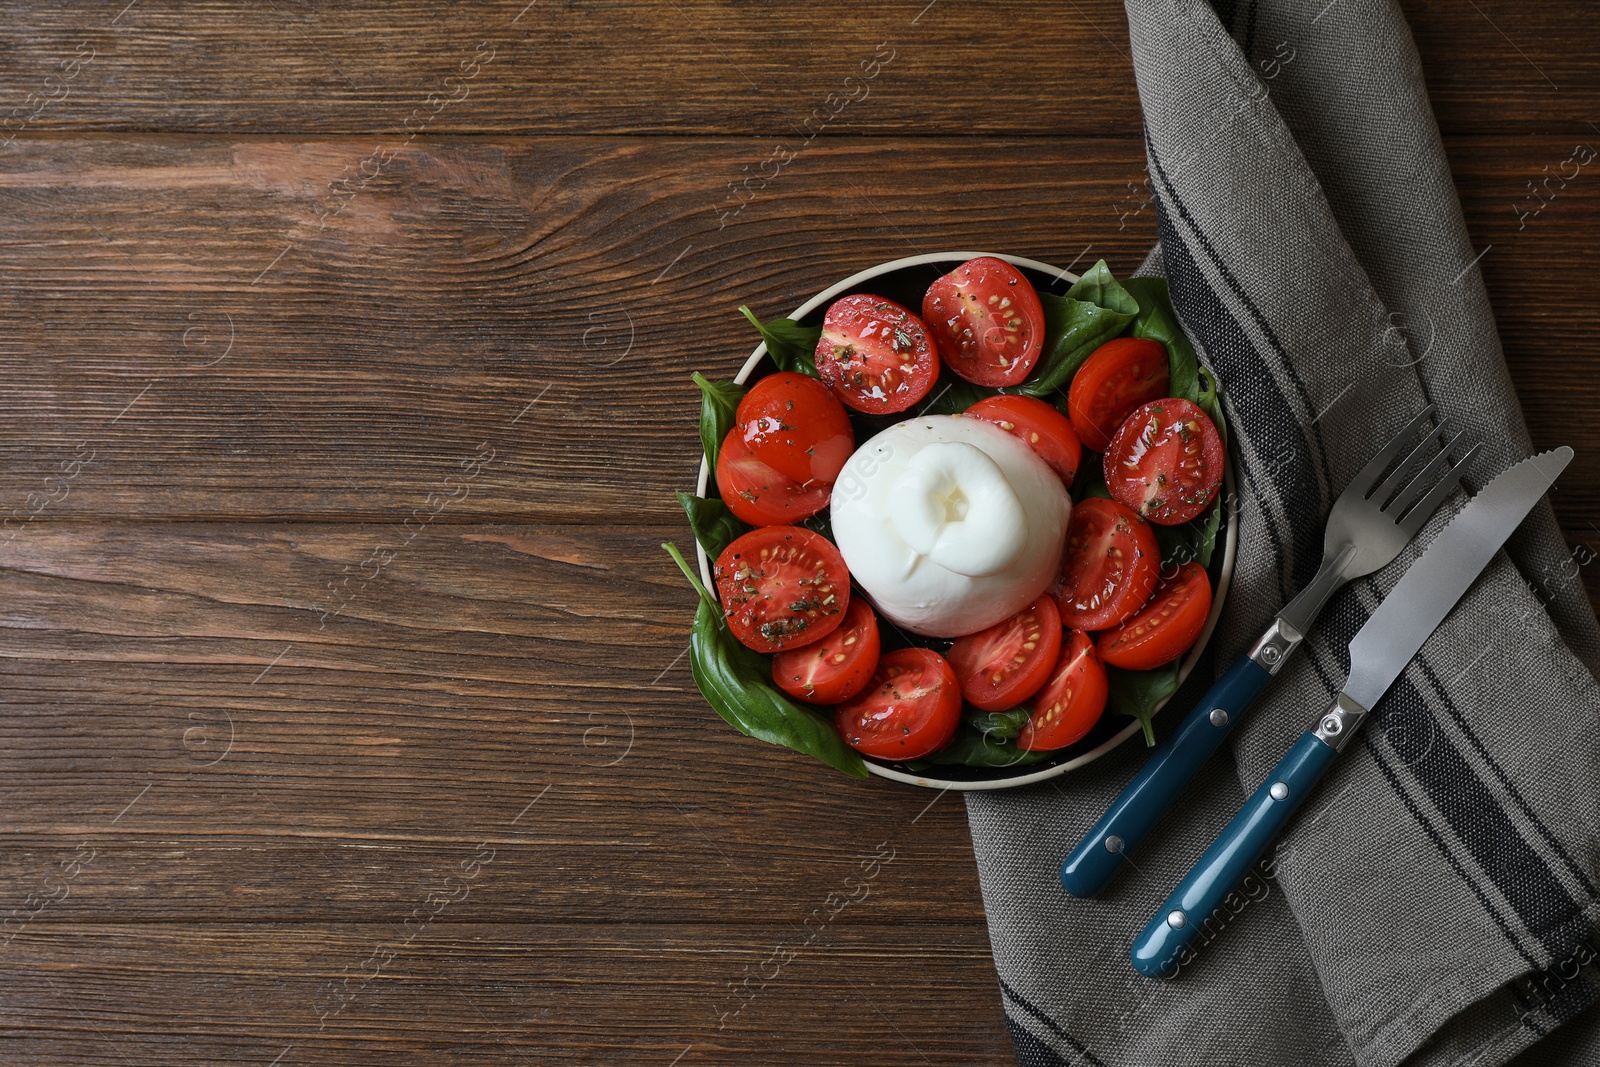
(1037, 772)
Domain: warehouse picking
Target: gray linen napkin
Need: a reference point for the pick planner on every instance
(1436, 901)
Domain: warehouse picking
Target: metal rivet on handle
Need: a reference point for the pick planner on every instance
(1279, 791)
(1113, 843)
(1219, 717)
(1331, 725)
(1271, 654)
(1176, 920)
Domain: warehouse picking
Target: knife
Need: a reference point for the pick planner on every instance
(1380, 652)
(1362, 534)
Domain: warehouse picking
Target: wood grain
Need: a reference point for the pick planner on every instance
(447, 992)
(540, 304)
(336, 443)
(700, 67)
(481, 668)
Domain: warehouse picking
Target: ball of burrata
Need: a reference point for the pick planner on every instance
(949, 524)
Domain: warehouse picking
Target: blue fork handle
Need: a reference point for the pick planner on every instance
(1195, 909)
(1170, 768)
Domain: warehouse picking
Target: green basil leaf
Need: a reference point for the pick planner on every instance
(821, 522)
(1092, 483)
(972, 748)
(1096, 309)
(719, 401)
(1206, 533)
(1099, 286)
(737, 682)
(1139, 693)
(791, 346)
(1157, 322)
(1192, 541)
(999, 725)
(714, 526)
(1187, 378)
(1210, 401)
(952, 397)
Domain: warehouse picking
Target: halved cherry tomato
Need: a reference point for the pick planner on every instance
(1071, 702)
(1109, 565)
(1039, 425)
(910, 709)
(1116, 378)
(1165, 462)
(759, 495)
(796, 425)
(1002, 666)
(1166, 628)
(835, 668)
(988, 321)
(876, 354)
(782, 587)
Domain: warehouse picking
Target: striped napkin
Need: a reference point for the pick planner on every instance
(1436, 901)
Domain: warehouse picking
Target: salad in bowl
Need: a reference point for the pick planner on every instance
(958, 529)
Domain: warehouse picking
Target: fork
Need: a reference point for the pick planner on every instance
(1370, 522)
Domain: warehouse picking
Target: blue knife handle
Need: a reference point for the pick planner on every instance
(1195, 908)
(1170, 768)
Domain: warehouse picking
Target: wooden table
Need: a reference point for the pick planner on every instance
(346, 385)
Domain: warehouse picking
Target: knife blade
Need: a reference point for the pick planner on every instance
(1443, 573)
(1393, 634)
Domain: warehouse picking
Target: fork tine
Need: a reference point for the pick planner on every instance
(1398, 477)
(1423, 481)
(1430, 503)
(1363, 482)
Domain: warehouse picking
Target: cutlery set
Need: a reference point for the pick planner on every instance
(1372, 520)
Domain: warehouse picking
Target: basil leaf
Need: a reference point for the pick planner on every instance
(821, 522)
(972, 748)
(1139, 693)
(737, 682)
(1193, 541)
(791, 346)
(999, 725)
(1210, 401)
(713, 524)
(1096, 309)
(953, 397)
(719, 401)
(1157, 321)
(1206, 531)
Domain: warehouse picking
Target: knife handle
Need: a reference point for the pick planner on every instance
(1195, 909)
(1170, 768)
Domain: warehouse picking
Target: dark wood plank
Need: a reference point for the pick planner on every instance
(177, 703)
(698, 67)
(431, 989)
(373, 358)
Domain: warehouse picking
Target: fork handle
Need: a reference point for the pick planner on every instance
(1170, 768)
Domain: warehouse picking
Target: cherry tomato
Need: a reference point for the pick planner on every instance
(782, 587)
(876, 354)
(910, 709)
(1071, 702)
(795, 425)
(1116, 378)
(1166, 628)
(1002, 666)
(1165, 462)
(759, 495)
(835, 668)
(1109, 565)
(987, 320)
(1039, 425)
